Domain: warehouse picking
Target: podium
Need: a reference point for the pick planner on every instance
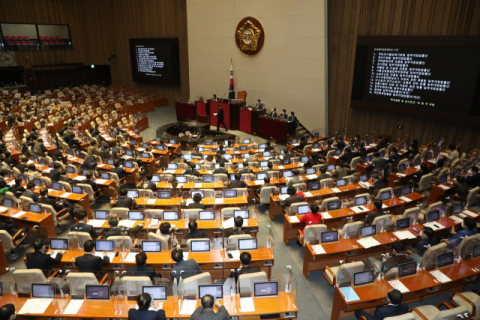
(249, 119)
(276, 128)
(231, 114)
(185, 111)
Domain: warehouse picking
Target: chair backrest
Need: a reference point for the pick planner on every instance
(265, 194)
(425, 182)
(294, 207)
(326, 183)
(145, 193)
(220, 177)
(383, 190)
(208, 193)
(154, 213)
(383, 221)
(325, 203)
(465, 248)
(190, 284)
(133, 285)
(449, 314)
(120, 212)
(227, 213)
(25, 277)
(406, 316)
(6, 240)
(66, 186)
(88, 189)
(77, 281)
(429, 258)
(354, 162)
(242, 95)
(433, 206)
(313, 232)
(50, 209)
(162, 239)
(300, 186)
(246, 281)
(472, 196)
(76, 239)
(121, 242)
(411, 213)
(351, 230)
(26, 202)
(233, 239)
(192, 213)
(346, 271)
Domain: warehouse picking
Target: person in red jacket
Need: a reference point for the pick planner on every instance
(312, 217)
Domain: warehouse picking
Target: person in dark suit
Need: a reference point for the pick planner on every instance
(284, 114)
(57, 155)
(7, 312)
(116, 231)
(90, 182)
(238, 227)
(29, 193)
(394, 159)
(268, 146)
(121, 173)
(192, 171)
(220, 116)
(423, 171)
(22, 166)
(237, 183)
(197, 198)
(11, 119)
(377, 183)
(340, 172)
(245, 259)
(193, 233)
(292, 118)
(123, 201)
(54, 202)
(274, 113)
(90, 163)
(293, 198)
(144, 302)
(259, 105)
(189, 267)
(221, 169)
(141, 269)
(82, 225)
(347, 156)
(54, 174)
(474, 180)
(89, 262)
(323, 174)
(9, 160)
(461, 187)
(147, 183)
(395, 307)
(378, 162)
(207, 310)
(34, 133)
(376, 212)
(39, 260)
(340, 143)
(17, 188)
(428, 240)
(382, 143)
(220, 150)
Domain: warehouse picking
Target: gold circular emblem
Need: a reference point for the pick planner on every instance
(249, 36)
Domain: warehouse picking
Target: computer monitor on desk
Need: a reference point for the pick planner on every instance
(8, 203)
(215, 290)
(241, 213)
(247, 244)
(35, 208)
(132, 194)
(97, 292)
(40, 290)
(104, 245)
(330, 167)
(433, 215)
(401, 167)
(385, 195)
(368, 231)
(363, 278)
(360, 201)
(200, 245)
(151, 246)
(287, 173)
(265, 289)
(329, 236)
(476, 251)
(310, 171)
(194, 192)
(314, 186)
(283, 190)
(182, 179)
(207, 215)
(229, 194)
(407, 190)
(136, 215)
(444, 260)
(164, 195)
(101, 214)
(333, 205)
(457, 208)
(407, 269)
(170, 215)
(303, 209)
(208, 179)
(58, 244)
(403, 224)
(341, 182)
(156, 292)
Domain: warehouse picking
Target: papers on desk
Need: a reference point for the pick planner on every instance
(151, 201)
(456, 219)
(19, 214)
(281, 167)
(293, 219)
(245, 223)
(35, 306)
(130, 257)
(11, 183)
(318, 249)
(259, 182)
(247, 304)
(307, 194)
(198, 184)
(80, 178)
(185, 255)
(154, 222)
(96, 223)
(53, 253)
(65, 195)
(188, 202)
(101, 181)
(359, 209)
(74, 306)
(126, 223)
(111, 255)
(405, 234)
(349, 294)
(283, 196)
(384, 206)
(434, 225)
(188, 306)
(218, 200)
(336, 190)
(401, 175)
(364, 184)
(170, 171)
(160, 306)
(326, 215)
(470, 213)
(443, 187)
(443, 154)
(405, 199)
(440, 276)
(227, 224)
(140, 149)
(47, 170)
(397, 284)
(368, 242)
(101, 165)
(235, 254)
(312, 176)
(3, 209)
(336, 157)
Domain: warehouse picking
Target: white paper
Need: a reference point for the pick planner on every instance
(3, 209)
(101, 165)
(11, 183)
(101, 181)
(384, 206)
(405, 199)
(283, 196)
(312, 176)
(185, 254)
(126, 223)
(336, 190)
(19, 214)
(170, 171)
(130, 257)
(440, 276)
(434, 225)
(307, 194)
(80, 178)
(405, 234)
(358, 210)
(188, 307)
(247, 304)
(281, 167)
(443, 187)
(364, 184)
(368, 242)
(198, 184)
(96, 223)
(470, 213)
(456, 219)
(218, 200)
(318, 249)
(111, 255)
(245, 223)
(235, 254)
(229, 223)
(259, 182)
(326, 215)
(65, 195)
(36, 306)
(73, 306)
(151, 201)
(188, 202)
(154, 222)
(293, 219)
(401, 175)
(397, 284)
(47, 170)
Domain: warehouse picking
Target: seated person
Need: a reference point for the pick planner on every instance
(474, 180)
(197, 198)
(245, 260)
(423, 171)
(266, 183)
(147, 183)
(55, 202)
(221, 169)
(238, 227)
(39, 259)
(116, 231)
(207, 310)
(7, 312)
(395, 158)
(394, 308)
(428, 240)
(313, 217)
(165, 231)
(376, 212)
(293, 198)
(237, 183)
(141, 269)
(323, 173)
(295, 179)
(55, 174)
(398, 257)
(144, 302)
(89, 262)
(340, 172)
(82, 225)
(268, 146)
(461, 187)
(90, 182)
(123, 201)
(29, 192)
(189, 267)
(377, 183)
(468, 229)
(193, 233)
(121, 173)
(17, 189)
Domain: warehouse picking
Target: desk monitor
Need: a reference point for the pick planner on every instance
(172, 141)
(401, 167)
(385, 195)
(70, 152)
(182, 179)
(201, 192)
(35, 208)
(457, 208)
(129, 153)
(444, 259)
(151, 246)
(200, 245)
(246, 141)
(97, 292)
(261, 176)
(368, 231)
(286, 161)
(208, 142)
(341, 182)
(416, 162)
(144, 145)
(314, 186)
(267, 154)
(363, 278)
(229, 194)
(407, 269)
(105, 176)
(170, 215)
(263, 164)
(114, 149)
(187, 157)
(208, 179)
(207, 215)
(156, 292)
(243, 148)
(287, 173)
(104, 245)
(382, 154)
(84, 172)
(407, 190)
(101, 214)
(294, 140)
(368, 158)
(41, 290)
(310, 171)
(164, 194)
(22, 176)
(317, 134)
(240, 165)
(58, 244)
(110, 162)
(156, 178)
(283, 190)
(245, 214)
(476, 251)
(303, 209)
(338, 152)
(360, 201)
(136, 215)
(77, 189)
(247, 244)
(145, 155)
(37, 182)
(198, 166)
(443, 178)
(8, 203)
(458, 171)
(201, 149)
(215, 290)
(403, 223)
(160, 148)
(316, 145)
(227, 157)
(265, 289)
(262, 146)
(304, 159)
(329, 236)
(333, 205)
(172, 166)
(81, 156)
(282, 152)
(433, 215)
(363, 178)
(330, 167)
(132, 194)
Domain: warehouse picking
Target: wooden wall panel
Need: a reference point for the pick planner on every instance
(348, 19)
(100, 26)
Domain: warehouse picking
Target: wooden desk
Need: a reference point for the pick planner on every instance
(185, 111)
(276, 128)
(45, 226)
(437, 190)
(401, 178)
(192, 185)
(177, 201)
